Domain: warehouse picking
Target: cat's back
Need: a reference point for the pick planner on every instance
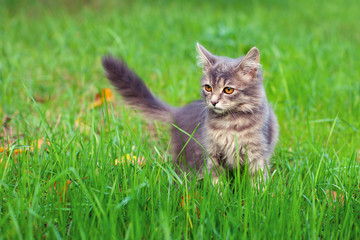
(190, 115)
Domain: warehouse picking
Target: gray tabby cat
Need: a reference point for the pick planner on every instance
(234, 122)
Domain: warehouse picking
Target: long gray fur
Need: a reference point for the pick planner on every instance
(241, 125)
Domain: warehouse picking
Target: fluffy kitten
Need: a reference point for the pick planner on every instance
(234, 122)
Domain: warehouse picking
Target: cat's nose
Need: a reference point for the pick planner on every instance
(214, 103)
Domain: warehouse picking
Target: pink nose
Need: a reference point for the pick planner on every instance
(214, 103)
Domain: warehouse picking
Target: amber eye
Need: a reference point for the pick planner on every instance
(208, 88)
(228, 90)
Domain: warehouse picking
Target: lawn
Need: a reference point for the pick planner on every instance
(75, 166)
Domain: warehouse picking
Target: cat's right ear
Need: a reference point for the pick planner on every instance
(205, 58)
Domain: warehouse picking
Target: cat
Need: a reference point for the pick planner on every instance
(232, 125)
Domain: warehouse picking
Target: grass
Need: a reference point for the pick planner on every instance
(50, 71)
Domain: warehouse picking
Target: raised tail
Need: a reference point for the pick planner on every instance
(134, 91)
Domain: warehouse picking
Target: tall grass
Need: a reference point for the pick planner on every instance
(78, 183)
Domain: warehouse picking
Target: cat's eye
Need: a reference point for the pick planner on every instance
(208, 88)
(228, 90)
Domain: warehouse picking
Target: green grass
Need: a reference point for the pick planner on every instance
(50, 71)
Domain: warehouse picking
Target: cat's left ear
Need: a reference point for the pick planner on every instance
(249, 65)
(205, 58)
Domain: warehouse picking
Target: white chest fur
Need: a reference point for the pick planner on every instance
(233, 140)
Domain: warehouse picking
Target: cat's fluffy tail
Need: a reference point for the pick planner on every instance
(134, 90)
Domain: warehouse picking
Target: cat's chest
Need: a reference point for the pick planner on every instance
(222, 137)
(225, 144)
(226, 141)
(230, 139)
(225, 134)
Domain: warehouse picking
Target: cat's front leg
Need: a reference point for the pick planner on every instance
(214, 168)
(258, 166)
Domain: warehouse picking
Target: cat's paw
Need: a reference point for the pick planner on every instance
(217, 184)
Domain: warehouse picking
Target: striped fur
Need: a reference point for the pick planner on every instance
(241, 125)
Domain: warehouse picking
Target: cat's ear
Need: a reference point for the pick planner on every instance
(205, 58)
(248, 66)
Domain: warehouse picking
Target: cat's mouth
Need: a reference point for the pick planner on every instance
(217, 110)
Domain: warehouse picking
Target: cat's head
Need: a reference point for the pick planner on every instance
(231, 85)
